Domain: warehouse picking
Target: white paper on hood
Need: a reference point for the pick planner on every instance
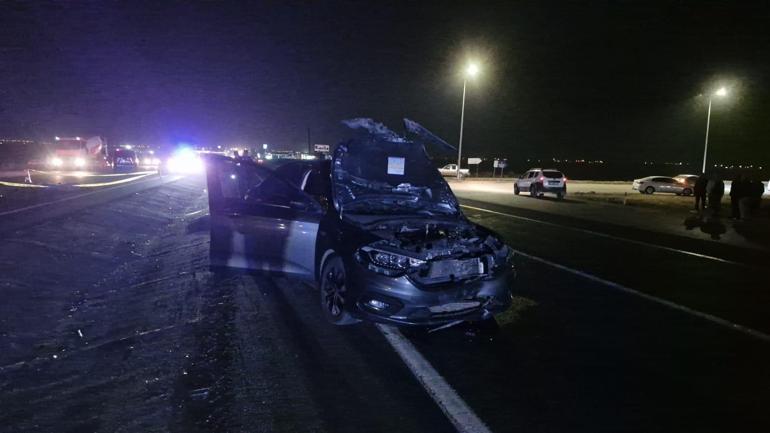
(396, 165)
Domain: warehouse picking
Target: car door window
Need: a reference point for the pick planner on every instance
(274, 191)
(245, 187)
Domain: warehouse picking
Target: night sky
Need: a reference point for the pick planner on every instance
(610, 80)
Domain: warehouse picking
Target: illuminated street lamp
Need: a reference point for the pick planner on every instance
(471, 71)
(721, 92)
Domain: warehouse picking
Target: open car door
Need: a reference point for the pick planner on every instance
(258, 220)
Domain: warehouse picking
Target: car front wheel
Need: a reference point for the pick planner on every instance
(687, 191)
(649, 190)
(334, 293)
(516, 189)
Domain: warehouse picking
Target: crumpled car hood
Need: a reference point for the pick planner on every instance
(383, 173)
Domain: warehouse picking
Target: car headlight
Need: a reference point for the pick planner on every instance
(80, 162)
(185, 161)
(57, 162)
(386, 262)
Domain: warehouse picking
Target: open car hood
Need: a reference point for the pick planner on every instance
(382, 173)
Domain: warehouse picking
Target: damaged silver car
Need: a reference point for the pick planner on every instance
(377, 228)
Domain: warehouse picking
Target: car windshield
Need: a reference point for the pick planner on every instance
(381, 176)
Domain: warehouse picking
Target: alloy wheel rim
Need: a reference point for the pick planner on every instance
(334, 291)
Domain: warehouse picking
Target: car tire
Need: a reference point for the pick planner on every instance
(559, 195)
(516, 189)
(649, 190)
(687, 191)
(333, 290)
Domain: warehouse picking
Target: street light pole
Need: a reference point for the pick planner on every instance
(721, 92)
(462, 119)
(706, 146)
(471, 72)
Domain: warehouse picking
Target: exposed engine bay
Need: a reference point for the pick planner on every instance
(440, 251)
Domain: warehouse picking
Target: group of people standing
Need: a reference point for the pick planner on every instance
(745, 195)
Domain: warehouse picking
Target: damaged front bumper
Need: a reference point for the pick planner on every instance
(400, 301)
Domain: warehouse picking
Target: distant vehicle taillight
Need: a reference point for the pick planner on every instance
(542, 178)
(564, 179)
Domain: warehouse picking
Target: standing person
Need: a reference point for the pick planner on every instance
(752, 197)
(758, 192)
(715, 189)
(737, 192)
(699, 191)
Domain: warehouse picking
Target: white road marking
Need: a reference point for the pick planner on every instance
(605, 235)
(22, 185)
(195, 212)
(35, 206)
(711, 318)
(91, 174)
(458, 412)
(114, 182)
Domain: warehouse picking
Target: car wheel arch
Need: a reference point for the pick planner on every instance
(324, 257)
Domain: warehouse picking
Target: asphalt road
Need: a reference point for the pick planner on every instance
(112, 321)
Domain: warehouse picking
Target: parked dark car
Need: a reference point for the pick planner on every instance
(377, 228)
(123, 160)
